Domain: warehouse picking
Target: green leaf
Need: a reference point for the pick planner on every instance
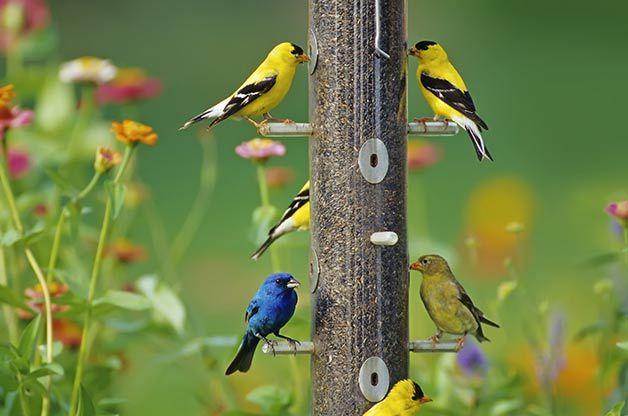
(51, 369)
(10, 297)
(124, 300)
(28, 339)
(271, 399)
(85, 405)
(506, 407)
(166, 306)
(616, 410)
(590, 330)
(116, 192)
(623, 345)
(10, 237)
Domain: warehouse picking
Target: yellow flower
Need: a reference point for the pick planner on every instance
(132, 132)
(6, 95)
(106, 159)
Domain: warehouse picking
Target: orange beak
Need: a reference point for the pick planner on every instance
(413, 51)
(416, 266)
(303, 58)
(424, 399)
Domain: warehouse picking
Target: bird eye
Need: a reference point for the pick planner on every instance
(278, 281)
(424, 261)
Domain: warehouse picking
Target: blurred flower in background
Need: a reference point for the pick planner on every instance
(131, 133)
(494, 206)
(20, 18)
(87, 69)
(619, 211)
(35, 299)
(67, 332)
(11, 118)
(471, 359)
(19, 163)
(422, 154)
(7, 94)
(279, 176)
(129, 85)
(260, 150)
(125, 251)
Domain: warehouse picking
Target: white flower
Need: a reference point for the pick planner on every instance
(88, 69)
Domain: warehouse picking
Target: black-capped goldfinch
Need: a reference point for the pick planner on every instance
(446, 93)
(296, 217)
(262, 91)
(446, 301)
(404, 399)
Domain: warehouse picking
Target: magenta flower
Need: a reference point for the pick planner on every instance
(422, 155)
(619, 210)
(14, 118)
(21, 18)
(130, 84)
(19, 163)
(260, 150)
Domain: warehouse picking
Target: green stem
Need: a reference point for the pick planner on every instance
(84, 115)
(265, 198)
(14, 62)
(56, 242)
(26, 411)
(93, 284)
(7, 311)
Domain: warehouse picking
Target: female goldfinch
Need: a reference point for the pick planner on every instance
(446, 93)
(446, 301)
(404, 399)
(262, 91)
(296, 217)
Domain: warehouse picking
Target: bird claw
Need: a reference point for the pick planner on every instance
(271, 344)
(435, 340)
(460, 343)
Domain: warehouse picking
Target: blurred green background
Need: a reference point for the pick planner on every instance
(546, 76)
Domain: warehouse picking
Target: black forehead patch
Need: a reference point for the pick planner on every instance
(418, 393)
(297, 50)
(424, 44)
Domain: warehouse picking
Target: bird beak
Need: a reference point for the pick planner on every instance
(416, 266)
(413, 51)
(293, 283)
(424, 399)
(303, 58)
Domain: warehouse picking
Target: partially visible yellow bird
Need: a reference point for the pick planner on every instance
(404, 399)
(296, 217)
(446, 93)
(446, 301)
(262, 91)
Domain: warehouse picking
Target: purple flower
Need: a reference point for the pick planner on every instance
(471, 359)
(19, 163)
(13, 118)
(551, 361)
(260, 150)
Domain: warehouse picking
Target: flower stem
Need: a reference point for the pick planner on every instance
(56, 242)
(7, 311)
(265, 199)
(14, 62)
(93, 284)
(17, 223)
(85, 113)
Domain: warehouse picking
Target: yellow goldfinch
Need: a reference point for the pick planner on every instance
(446, 93)
(296, 217)
(262, 91)
(404, 399)
(446, 301)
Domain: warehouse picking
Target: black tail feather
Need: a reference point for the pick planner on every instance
(478, 144)
(262, 248)
(487, 321)
(244, 357)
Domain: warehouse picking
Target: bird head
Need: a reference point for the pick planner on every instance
(280, 282)
(289, 53)
(430, 264)
(406, 395)
(427, 50)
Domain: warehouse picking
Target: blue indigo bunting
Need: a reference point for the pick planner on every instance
(270, 309)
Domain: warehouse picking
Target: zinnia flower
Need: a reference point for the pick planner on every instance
(130, 84)
(87, 69)
(13, 118)
(422, 155)
(19, 163)
(106, 159)
(125, 251)
(132, 132)
(7, 94)
(19, 18)
(619, 210)
(67, 332)
(260, 150)
(278, 177)
(35, 299)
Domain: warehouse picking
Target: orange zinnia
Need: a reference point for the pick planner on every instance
(131, 132)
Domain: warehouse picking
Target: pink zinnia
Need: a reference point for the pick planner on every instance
(35, 15)
(422, 155)
(19, 163)
(619, 210)
(13, 118)
(130, 84)
(260, 150)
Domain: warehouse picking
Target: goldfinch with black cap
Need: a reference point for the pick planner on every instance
(262, 91)
(446, 93)
(404, 399)
(295, 218)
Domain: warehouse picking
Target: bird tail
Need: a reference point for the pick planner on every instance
(476, 137)
(479, 335)
(271, 239)
(487, 321)
(244, 357)
(211, 112)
